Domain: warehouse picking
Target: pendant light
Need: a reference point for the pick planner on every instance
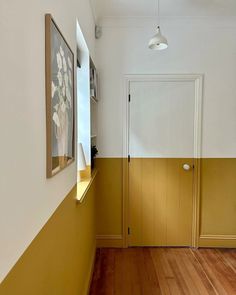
(158, 41)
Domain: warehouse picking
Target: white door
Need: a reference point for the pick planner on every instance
(161, 148)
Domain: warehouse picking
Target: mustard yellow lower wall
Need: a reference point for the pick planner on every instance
(109, 197)
(60, 259)
(218, 203)
(217, 210)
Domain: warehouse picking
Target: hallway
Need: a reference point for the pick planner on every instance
(118, 129)
(175, 271)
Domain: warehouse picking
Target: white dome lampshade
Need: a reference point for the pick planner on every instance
(81, 158)
(158, 41)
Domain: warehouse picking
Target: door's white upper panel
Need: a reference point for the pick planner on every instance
(162, 119)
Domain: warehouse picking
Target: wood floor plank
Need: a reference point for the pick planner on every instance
(201, 281)
(177, 273)
(126, 273)
(228, 258)
(103, 278)
(222, 271)
(164, 271)
(189, 275)
(161, 271)
(147, 274)
(210, 272)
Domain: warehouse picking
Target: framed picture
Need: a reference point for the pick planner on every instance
(93, 81)
(59, 99)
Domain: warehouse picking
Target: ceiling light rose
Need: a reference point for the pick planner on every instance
(158, 41)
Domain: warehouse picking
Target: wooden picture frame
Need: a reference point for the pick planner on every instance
(93, 81)
(60, 99)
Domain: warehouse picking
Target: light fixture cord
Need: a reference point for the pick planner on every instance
(158, 13)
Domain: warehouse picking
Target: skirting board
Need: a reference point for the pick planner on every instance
(220, 241)
(110, 241)
(205, 241)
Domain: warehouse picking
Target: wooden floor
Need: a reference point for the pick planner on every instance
(149, 271)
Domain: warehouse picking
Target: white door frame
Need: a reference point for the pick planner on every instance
(198, 80)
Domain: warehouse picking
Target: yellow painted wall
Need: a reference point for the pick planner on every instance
(218, 199)
(109, 200)
(59, 260)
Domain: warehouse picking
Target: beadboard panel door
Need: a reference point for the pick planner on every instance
(161, 142)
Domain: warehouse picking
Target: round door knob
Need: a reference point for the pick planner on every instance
(186, 167)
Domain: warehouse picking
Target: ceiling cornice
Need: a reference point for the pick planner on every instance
(167, 21)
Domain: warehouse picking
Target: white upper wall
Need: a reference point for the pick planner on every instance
(201, 37)
(148, 8)
(27, 198)
(195, 46)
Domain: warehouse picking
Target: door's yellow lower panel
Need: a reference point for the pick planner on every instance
(160, 202)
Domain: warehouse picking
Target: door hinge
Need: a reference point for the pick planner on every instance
(129, 231)
(129, 97)
(129, 158)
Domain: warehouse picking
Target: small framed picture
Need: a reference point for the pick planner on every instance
(59, 99)
(93, 81)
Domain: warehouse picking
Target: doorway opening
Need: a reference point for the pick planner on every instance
(162, 145)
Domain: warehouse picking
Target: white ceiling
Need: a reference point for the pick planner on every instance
(177, 8)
